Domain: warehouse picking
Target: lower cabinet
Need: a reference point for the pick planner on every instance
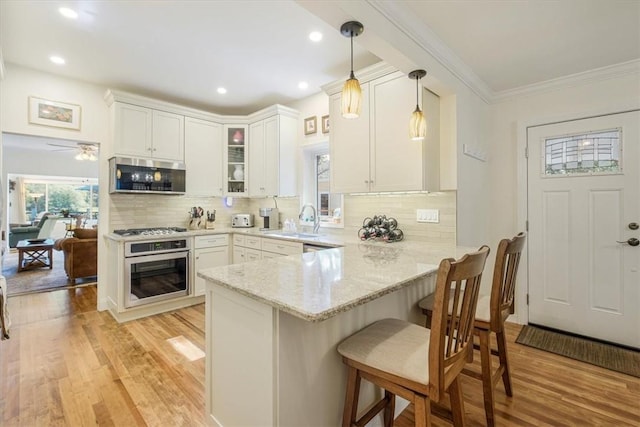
(210, 251)
(246, 248)
(252, 248)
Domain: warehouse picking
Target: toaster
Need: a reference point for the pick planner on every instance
(242, 220)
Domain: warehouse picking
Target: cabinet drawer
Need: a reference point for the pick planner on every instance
(253, 242)
(252, 255)
(239, 240)
(281, 247)
(268, 255)
(211, 241)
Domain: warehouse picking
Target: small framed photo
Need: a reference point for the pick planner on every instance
(325, 124)
(310, 125)
(54, 113)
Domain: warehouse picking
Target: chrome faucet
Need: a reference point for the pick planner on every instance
(316, 218)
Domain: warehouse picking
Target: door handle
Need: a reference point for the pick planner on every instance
(632, 241)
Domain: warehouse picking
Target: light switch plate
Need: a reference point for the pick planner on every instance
(428, 215)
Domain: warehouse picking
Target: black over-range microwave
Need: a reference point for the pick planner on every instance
(128, 175)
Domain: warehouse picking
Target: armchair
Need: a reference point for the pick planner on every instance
(29, 232)
(80, 253)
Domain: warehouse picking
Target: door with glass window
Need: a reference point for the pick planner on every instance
(583, 212)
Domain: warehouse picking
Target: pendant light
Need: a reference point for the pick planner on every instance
(351, 92)
(418, 124)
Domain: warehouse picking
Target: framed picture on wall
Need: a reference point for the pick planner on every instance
(325, 124)
(310, 125)
(54, 113)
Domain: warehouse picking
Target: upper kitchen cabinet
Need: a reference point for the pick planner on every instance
(140, 130)
(349, 147)
(272, 154)
(235, 155)
(373, 153)
(143, 132)
(203, 157)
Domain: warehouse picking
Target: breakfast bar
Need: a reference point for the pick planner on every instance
(273, 327)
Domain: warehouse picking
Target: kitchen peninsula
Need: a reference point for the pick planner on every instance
(273, 327)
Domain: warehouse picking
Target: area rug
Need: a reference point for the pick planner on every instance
(597, 353)
(38, 279)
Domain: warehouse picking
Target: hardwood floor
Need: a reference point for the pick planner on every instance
(67, 364)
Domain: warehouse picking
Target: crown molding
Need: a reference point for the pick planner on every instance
(603, 73)
(271, 111)
(423, 36)
(112, 95)
(426, 39)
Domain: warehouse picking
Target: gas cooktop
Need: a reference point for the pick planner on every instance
(153, 231)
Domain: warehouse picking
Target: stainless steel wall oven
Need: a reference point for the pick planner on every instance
(156, 270)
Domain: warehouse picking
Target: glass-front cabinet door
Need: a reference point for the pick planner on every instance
(236, 160)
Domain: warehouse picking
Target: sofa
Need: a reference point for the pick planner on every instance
(80, 253)
(17, 233)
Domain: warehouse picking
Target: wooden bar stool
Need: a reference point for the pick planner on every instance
(491, 313)
(413, 362)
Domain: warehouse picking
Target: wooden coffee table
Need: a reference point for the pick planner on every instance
(35, 253)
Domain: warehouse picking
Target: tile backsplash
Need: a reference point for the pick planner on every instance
(130, 210)
(151, 210)
(403, 208)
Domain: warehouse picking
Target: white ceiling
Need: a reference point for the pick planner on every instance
(510, 44)
(181, 51)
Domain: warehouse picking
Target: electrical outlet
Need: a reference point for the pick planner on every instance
(428, 215)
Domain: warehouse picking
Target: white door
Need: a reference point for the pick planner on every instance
(583, 199)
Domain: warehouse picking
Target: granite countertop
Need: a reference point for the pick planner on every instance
(315, 286)
(325, 239)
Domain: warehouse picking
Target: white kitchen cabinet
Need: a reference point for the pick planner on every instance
(203, 157)
(144, 132)
(272, 166)
(246, 248)
(235, 159)
(252, 255)
(239, 255)
(349, 147)
(252, 248)
(209, 251)
(168, 136)
(276, 247)
(373, 152)
(132, 130)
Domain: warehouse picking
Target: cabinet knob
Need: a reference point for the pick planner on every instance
(366, 181)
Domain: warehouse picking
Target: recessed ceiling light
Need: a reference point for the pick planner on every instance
(68, 13)
(57, 60)
(303, 85)
(221, 90)
(315, 36)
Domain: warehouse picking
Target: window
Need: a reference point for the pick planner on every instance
(56, 196)
(588, 153)
(317, 187)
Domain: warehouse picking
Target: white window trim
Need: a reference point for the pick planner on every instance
(309, 172)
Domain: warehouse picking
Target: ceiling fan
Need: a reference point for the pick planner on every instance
(84, 151)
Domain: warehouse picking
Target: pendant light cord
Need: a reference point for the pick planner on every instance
(352, 76)
(417, 93)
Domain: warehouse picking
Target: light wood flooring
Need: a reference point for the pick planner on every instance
(68, 365)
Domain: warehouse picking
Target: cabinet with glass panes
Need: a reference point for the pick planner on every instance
(236, 159)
